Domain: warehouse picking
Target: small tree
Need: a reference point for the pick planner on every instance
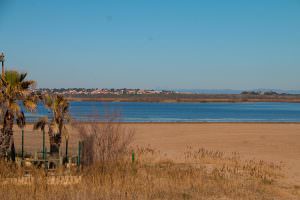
(15, 89)
(59, 107)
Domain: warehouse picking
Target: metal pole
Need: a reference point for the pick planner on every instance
(22, 144)
(132, 157)
(45, 153)
(67, 146)
(44, 157)
(79, 154)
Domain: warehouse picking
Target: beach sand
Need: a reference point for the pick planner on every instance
(272, 142)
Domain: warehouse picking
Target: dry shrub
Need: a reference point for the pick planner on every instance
(104, 143)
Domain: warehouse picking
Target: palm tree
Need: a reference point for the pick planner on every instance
(41, 124)
(15, 89)
(57, 125)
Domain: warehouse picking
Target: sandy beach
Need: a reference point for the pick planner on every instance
(272, 142)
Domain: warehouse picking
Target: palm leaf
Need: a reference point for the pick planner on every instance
(65, 132)
(4, 82)
(30, 104)
(22, 77)
(12, 77)
(48, 101)
(27, 84)
(41, 123)
(54, 127)
(14, 107)
(21, 122)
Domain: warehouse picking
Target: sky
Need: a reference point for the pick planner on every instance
(215, 44)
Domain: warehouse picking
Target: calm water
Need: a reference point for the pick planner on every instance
(182, 112)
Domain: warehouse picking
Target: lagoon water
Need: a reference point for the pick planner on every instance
(180, 112)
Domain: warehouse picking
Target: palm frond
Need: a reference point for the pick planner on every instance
(48, 101)
(14, 107)
(22, 77)
(65, 132)
(54, 127)
(41, 123)
(4, 82)
(21, 122)
(27, 84)
(12, 77)
(1, 98)
(30, 104)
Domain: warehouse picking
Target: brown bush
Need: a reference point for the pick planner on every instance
(104, 143)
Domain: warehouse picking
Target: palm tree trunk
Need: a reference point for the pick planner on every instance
(6, 139)
(12, 149)
(55, 141)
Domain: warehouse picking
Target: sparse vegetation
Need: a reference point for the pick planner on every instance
(204, 175)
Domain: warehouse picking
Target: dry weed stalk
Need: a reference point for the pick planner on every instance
(233, 165)
(104, 143)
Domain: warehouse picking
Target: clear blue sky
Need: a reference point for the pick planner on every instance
(240, 44)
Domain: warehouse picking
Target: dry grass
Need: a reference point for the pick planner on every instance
(204, 175)
(105, 143)
(109, 173)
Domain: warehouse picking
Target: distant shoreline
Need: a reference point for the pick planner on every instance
(182, 123)
(196, 99)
